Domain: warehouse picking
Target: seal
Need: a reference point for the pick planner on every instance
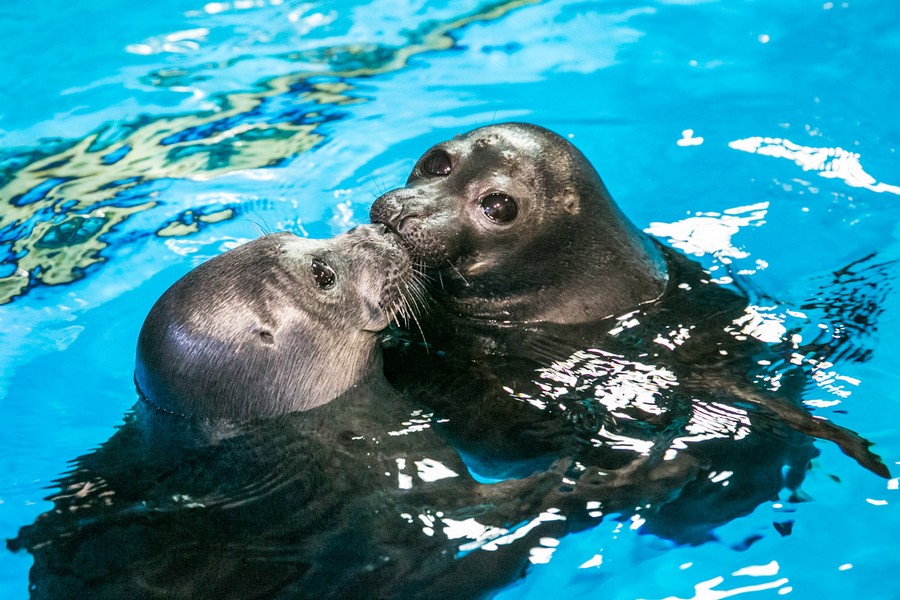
(277, 325)
(520, 227)
(271, 458)
(528, 257)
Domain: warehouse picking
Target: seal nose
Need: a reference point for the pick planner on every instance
(389, 210)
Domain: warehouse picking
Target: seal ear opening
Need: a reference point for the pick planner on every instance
(375, 317)
(265, 335)
(571, 204)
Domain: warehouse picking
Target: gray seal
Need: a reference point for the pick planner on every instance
(277, 325)
(522, 239)
(521, 228)
(272, 459)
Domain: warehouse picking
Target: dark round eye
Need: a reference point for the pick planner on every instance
(322, 273)
(437, 162)
(499, 208)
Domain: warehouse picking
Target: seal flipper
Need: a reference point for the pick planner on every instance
(851, 443)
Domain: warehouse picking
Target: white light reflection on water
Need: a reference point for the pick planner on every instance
(430, 470)
(832, 163)
(759, 570)
(711, 232)
(825, 377)
(688, 139)
(615, 381)
(705, 590)
(471, 529)
(711, 420)
(762, 323)
(596, 561)
(516, 534)
(418, 421)
(204, 248)
(488, 537)
(631, 390)
(541, 554)
(179, 42)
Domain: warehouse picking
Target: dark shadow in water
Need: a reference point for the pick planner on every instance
(359, 498)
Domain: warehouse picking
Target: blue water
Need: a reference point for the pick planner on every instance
(139, 139)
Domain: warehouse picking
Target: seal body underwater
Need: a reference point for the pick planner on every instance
(234, 477)
(530, 263)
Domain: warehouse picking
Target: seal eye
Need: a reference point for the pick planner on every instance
(499, 208)
(437, 162)
(322, 273)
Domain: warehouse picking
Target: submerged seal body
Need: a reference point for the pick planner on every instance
(271, 458)
(531, 262)
(277, 325)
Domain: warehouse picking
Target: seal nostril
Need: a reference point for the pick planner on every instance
(391, 210)
(266, 336)
(392, 217)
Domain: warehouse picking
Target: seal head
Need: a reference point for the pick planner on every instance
(518, 226)
(277, 325)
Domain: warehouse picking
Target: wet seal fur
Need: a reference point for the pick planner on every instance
(277, 325)
(568, 255)
(530, 259)
(236, 477)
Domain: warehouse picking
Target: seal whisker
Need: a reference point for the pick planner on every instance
(397, 311)
(260, 226)
(409, 308)
(409, 299)
(379, 185)
(457, 272)
(414, 291)
(420, 287)
(422, 273)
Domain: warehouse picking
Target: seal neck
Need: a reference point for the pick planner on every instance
(583, 277)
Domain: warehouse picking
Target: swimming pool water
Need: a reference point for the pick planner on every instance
(137, 140)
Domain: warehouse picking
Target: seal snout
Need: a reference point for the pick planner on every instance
(388, 212)
(395, 209)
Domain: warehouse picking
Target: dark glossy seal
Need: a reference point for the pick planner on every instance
(520, 227)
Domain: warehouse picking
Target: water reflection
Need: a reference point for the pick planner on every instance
(325, 503)
(61, 201)
(710, 234)
(832, 163)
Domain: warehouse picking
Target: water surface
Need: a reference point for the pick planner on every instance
(759, 137)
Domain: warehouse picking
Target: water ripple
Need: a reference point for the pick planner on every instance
(60, 202)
